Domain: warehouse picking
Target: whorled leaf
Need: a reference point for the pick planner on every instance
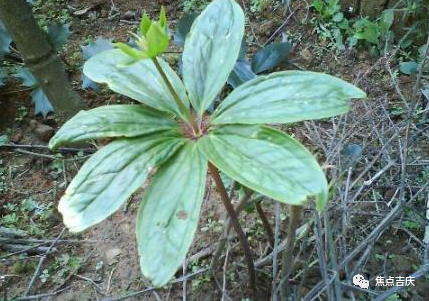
(95, 47)
(169, 213)
(183, 27)
(111, 175)
(267, 161)
(140, 81)
(286, 97)
(211, 50)
(270, 56)
(241, 73)
(409, 68)
(112, 121)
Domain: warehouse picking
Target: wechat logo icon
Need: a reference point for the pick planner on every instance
(360, 281)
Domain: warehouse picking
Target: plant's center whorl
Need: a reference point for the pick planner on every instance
(203, 128)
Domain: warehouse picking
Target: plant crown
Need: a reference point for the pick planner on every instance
(165, 135)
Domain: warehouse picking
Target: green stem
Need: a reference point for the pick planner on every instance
(234, 220)
(186, 111)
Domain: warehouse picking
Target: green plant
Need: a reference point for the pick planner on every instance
(376, 33)
(47, 11)
(332, 25)
(17, 217)
(182, 144)
(412, 67)
(266, 58)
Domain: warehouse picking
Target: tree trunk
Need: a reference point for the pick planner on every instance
(403, 19)
(365, 8)
(39, 56)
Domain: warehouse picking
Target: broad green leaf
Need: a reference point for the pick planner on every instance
(211, 50)
(95, 47)
(169, 213)
(285, 97)
(140, 81)
(112, 121)
(270, 56)
(111, 175)
(267, 161)
(183, 27)
(243, 49)
(386, 20)
(241, 73)
(409, 68)
(367, 30)
(88, 51)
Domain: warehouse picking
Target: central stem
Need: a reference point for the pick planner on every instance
(234, 219)
(182, 108)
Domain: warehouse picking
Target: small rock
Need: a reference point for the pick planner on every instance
(111, 255)
(44, 132)
(129, 15)
(306, 55)
(16, 137)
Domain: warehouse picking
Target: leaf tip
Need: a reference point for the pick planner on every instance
(359, 93)
(54, 143)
